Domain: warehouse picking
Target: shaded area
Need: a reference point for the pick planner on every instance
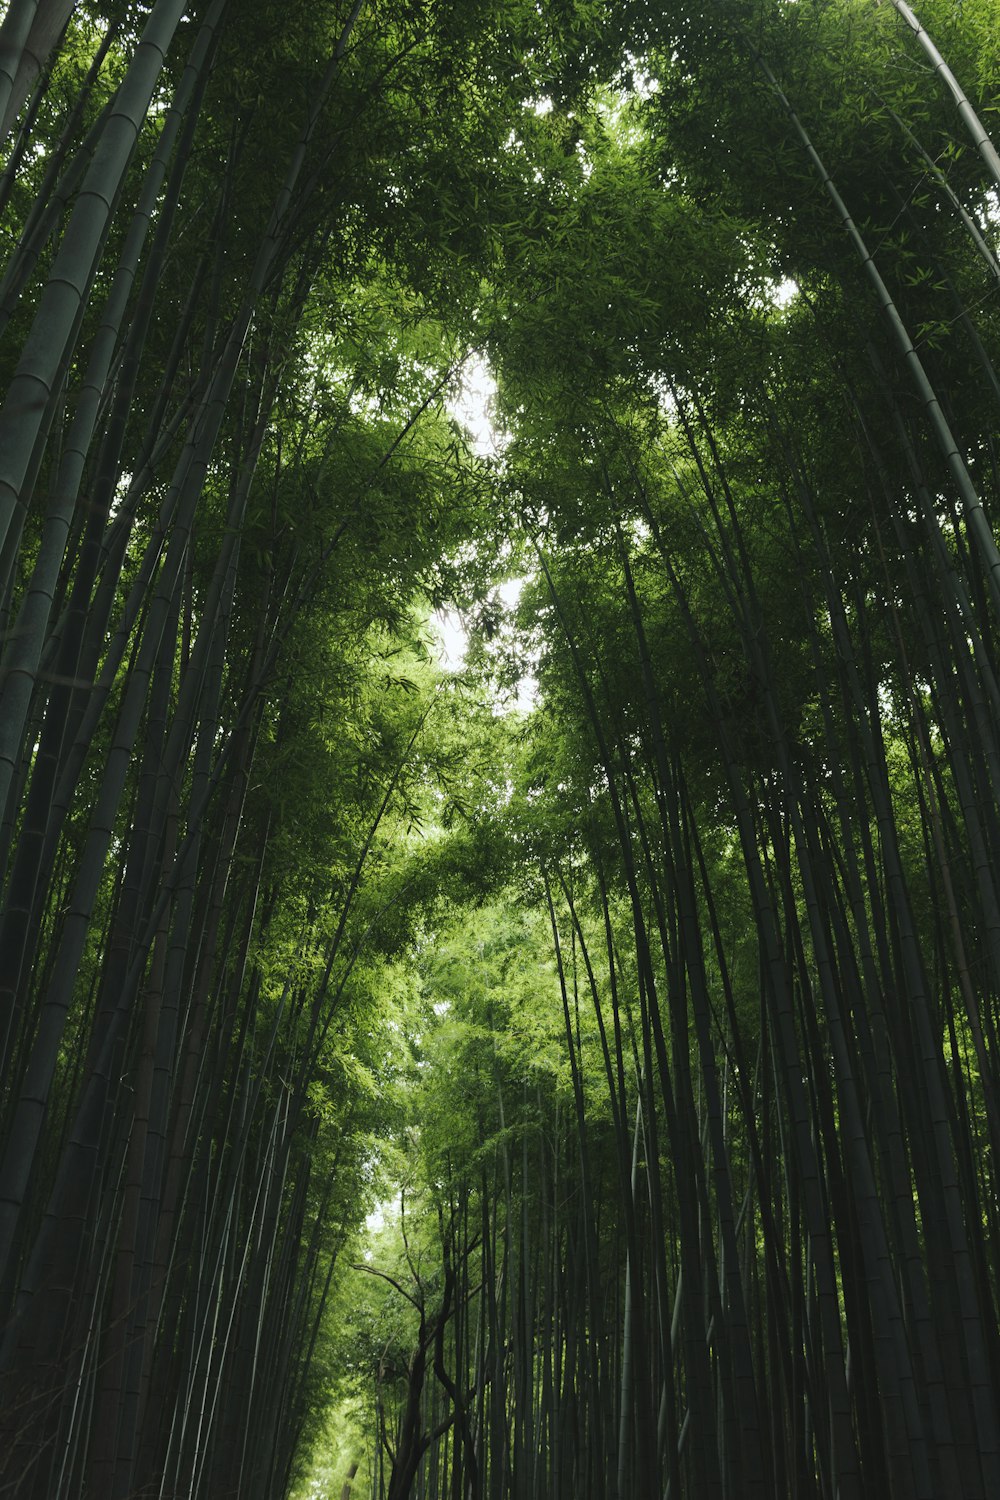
(665, 998)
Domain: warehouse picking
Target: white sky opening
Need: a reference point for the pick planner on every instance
(382, 1213)
(451, 640)
(472, 407)
(644, 83)
(526, 694)
(782, 292)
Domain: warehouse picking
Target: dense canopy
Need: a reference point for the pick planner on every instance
(500, 892)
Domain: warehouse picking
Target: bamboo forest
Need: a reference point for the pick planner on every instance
(499, 750)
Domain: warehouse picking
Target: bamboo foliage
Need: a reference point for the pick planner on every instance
(677, 999)
(767, 634)
(202, 583)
